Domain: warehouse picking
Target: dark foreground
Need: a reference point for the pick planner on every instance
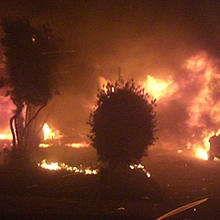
(176, 180)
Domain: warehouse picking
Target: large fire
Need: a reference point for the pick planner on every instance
(203, 107)
(159, 88)
(194, 90)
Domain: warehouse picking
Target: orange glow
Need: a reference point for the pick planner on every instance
(197, 63)
(73, 145)
(201, 153)
(160, 88)
(78, 145)
(50, 133)
(6, 136)
(140, 167)
(7, 108)
(42, 145)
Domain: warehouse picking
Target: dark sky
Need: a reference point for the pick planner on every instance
(142, 37)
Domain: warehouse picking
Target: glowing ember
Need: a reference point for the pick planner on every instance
(42, 145)
(140, 167)
(73, 145)
(50, 134)
(197, 63)
(148, 174)
(159, 88)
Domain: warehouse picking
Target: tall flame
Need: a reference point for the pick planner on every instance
(51, 134)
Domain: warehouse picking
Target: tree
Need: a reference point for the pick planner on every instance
(30, 75)
(123, 123)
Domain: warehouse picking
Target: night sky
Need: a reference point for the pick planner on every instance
(143, 38)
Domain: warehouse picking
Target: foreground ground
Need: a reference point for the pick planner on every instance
(181, 179)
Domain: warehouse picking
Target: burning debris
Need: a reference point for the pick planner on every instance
(140, 167)
(6, 136)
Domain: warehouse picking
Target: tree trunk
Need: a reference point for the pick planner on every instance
(14, 142)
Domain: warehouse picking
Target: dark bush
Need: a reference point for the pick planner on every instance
(123, 123)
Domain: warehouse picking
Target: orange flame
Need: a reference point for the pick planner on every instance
(203, 73)
(202, 151)
(50, 134)
(103, 83)
(160, 88)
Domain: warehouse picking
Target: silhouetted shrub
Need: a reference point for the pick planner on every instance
(123, 123)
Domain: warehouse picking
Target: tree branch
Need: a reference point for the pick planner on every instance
(29, 122)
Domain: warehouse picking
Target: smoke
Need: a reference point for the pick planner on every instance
(144, 38)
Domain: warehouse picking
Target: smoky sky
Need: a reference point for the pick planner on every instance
(142, 37)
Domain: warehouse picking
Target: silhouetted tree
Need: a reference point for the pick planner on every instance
(29, 77)
(123, 123)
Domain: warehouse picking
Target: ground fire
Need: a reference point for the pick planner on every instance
(84, 170)
(62, 166)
